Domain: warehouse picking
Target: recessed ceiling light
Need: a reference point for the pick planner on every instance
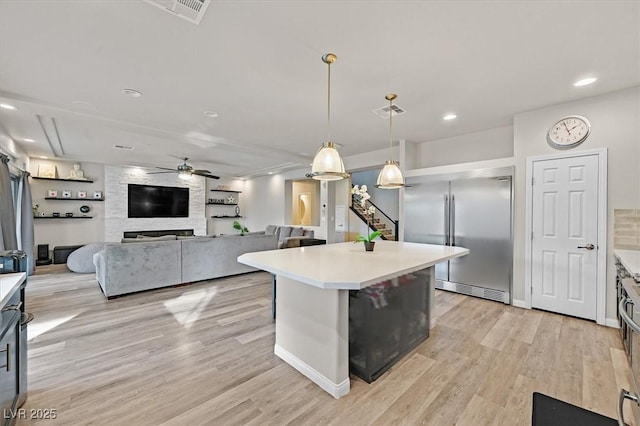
(210, 114)
(585, 82)
(7, 106)
(450, 116)
(45, 158)
(270, 173)
(28, 140)
(132, 93)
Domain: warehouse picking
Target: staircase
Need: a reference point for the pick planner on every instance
(379, 222)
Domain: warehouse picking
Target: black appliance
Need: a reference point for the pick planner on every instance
(16, 261)
(157, 201)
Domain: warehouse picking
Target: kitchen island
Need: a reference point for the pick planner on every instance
(312, 309)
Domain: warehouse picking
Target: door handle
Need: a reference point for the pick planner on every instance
(453, 220)
(588, 247)
(446, 220)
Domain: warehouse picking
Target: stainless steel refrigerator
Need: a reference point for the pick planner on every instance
(467, 211)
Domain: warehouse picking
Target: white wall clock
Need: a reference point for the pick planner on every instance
(568, 132)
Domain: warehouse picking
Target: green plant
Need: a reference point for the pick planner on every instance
(239, 227)
(35, 209)
(363, 196)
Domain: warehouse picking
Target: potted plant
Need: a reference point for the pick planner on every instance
(35, 210)
(239, 227)
(363, 196)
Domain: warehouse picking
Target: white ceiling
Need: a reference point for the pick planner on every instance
(258, 65)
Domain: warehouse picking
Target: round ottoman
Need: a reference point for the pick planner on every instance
(81, 260)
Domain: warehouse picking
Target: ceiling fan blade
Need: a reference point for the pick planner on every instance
(164, 168)
(157, 173)
(208, 175)
(201, 171)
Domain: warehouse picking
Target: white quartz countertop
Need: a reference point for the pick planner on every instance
(348, 266)
(8, 284)
(630, 259)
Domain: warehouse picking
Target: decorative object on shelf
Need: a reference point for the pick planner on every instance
(77, 173)
(84, 210)
(97, 195)
(569, 132)
(69, 214)
(239, 227)
(390, 176)
(66, 194)
(327, 164)
(230, 199)
(47, 171)
(42, 214)
(223, 187)
(82, 194)
(55, 214)
(35, 209)
(363, 196)
(238, 211)
(52, 193)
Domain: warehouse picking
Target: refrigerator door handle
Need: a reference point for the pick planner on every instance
(453, 220)
(446, 220)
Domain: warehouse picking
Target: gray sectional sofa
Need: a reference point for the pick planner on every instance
(146, 264)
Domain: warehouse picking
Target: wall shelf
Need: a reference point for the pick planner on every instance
(63, 180)
(226, 217)
(225, 190)
(73, 199)
(222, 204)
(63, 217)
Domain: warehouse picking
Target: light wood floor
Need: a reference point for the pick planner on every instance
(203, 354)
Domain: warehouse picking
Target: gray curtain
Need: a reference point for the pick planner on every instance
(25, 221)
(8, 239)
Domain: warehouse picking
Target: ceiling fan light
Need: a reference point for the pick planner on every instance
(184, 174)
(327, 164)
(390, 177)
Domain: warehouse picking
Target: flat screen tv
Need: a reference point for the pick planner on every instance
(158, 201)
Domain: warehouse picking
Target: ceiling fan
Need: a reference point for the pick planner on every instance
(185, 171)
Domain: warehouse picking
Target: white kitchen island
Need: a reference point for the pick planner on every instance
(312, 310)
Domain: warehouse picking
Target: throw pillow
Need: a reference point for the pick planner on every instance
(270, 230)
(297, 232)
(285, 232)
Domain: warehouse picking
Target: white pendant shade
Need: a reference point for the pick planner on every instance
(327, 164)
(390, 176)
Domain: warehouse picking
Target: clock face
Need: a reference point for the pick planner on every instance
(569, 132)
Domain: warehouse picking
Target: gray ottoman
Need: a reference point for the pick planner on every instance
(81, 260)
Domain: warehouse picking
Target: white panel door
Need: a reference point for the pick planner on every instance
(565, 231)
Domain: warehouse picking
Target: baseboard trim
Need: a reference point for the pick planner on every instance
(611, 322)
(336, 390)
(520, 304)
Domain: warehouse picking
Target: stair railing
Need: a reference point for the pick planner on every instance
(380, 220)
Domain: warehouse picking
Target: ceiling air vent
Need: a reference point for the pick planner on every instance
(191, 10)
(126, 148)
(384, 111)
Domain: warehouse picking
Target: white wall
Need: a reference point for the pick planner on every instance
(61, 232)
(116, 186)
(614, 119)
(485, 145)
(264, 202)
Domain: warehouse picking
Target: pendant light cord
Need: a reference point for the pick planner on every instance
(390, 134)
(329, 103)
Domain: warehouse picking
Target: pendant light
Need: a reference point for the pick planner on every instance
(327, 164)
(390, 176)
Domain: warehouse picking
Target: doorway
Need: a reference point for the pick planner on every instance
(566, 224)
